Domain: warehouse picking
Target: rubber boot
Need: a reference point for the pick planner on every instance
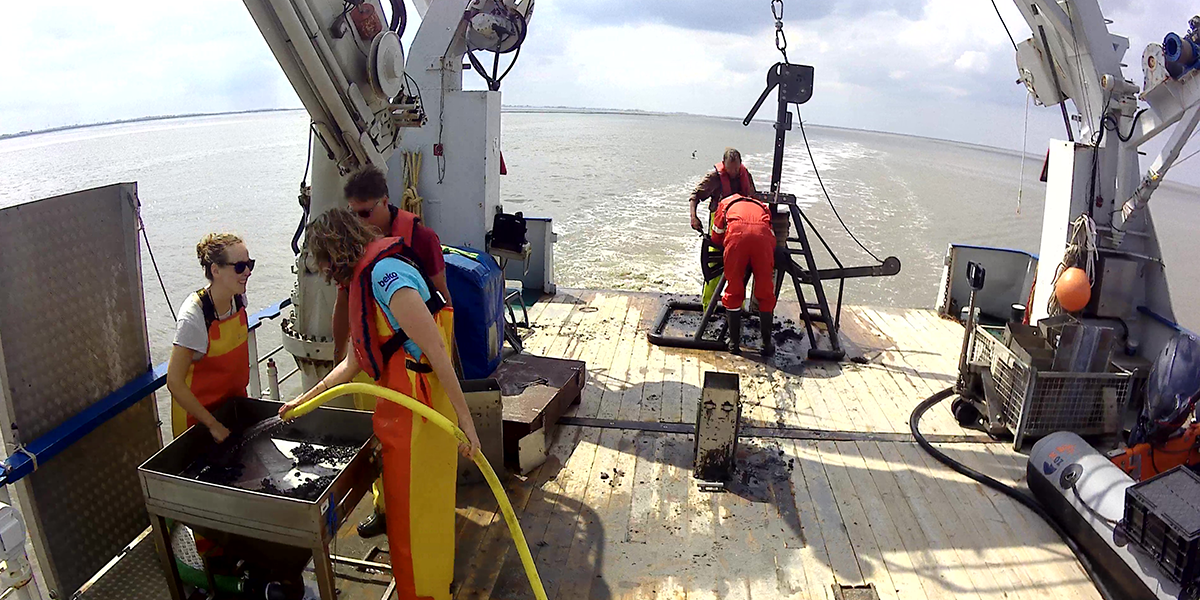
(374, 525)
(734, 319)
(766, 322)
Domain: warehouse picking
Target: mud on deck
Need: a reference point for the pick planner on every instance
(615, 513)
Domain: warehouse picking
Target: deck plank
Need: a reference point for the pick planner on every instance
(834, 533)
(937, 583)
(892, 552)
(846, 512)
(565, 342)
(1054, 567)
(960, 530)
(611, 468)
(939, 528)
(808, 554)
(571, 523)
(600, 372)
(994, 536)
(672, 386)
(549, 323)
(854, 518)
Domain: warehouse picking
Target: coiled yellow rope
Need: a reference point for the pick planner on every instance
(510, 517)
(410, 200)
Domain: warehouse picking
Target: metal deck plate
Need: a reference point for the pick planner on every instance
(72, 331)
(137, 575)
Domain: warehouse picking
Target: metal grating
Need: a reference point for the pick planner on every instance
(855, 592)
(1039, 403)
(73, 331)
(981, 345)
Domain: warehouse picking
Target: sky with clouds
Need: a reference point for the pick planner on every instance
(938, 68)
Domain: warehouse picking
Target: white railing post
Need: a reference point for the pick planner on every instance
(273, 379)
(255, 382)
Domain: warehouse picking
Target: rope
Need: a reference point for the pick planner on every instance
(1024, 144)
(170, 306)
(411, 200)
(1010, 37)
(826, 192)
(21, 449)
(1081, 252)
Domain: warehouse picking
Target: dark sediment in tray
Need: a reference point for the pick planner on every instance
(308, 454)
(305, 476)
(309, 490)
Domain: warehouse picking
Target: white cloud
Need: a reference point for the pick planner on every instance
(940, 68)
(972, 61)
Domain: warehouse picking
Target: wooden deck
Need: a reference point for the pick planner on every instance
(615, 513)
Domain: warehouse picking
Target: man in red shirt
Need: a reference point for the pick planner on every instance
(367, 195)
(742, 227)
(728, 177)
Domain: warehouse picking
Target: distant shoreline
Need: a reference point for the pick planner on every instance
(518, 109)
(509, 109)
(6, 136)
(512, 109)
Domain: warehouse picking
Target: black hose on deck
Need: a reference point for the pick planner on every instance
(914, 421)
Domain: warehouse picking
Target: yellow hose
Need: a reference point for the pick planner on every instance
(510, 517)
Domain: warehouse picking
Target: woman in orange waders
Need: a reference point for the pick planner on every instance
(210, 361)
(400, 332)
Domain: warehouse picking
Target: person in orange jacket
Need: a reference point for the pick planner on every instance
(400, 333)
(367, 196)
(742, 227)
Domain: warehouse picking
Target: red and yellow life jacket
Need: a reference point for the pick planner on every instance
(375, 341)
(224, 370)
(745, 187)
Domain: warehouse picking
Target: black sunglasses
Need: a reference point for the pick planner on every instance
(366, 212)
(241, 266)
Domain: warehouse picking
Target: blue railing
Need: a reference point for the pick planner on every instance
(53, 442)
(1162, 320)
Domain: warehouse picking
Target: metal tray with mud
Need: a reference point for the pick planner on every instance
(294, 484)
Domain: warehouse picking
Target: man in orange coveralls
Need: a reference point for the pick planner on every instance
(742, 227)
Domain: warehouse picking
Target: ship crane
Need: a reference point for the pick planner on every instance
(1097, 177)
(369, 99)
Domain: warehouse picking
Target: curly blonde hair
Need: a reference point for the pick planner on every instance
(211, 250)
(338, 238)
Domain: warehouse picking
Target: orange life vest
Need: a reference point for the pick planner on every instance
(375, 342)
(403, 224)
(224, 370)
(744, 185)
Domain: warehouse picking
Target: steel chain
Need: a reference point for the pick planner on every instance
(780, 37)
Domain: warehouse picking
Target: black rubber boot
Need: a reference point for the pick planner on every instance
(734, 319)
(766, 323)
(374, 525)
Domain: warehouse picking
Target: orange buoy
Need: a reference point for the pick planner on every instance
(1073, 289)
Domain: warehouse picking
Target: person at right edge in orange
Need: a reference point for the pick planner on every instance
(727, 178)
(367, 195)
(742, 227)
(400, 336)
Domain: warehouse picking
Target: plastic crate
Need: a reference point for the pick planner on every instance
(1162, 517)
(1037, 403)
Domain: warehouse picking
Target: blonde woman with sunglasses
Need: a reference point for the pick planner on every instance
(210, 360)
